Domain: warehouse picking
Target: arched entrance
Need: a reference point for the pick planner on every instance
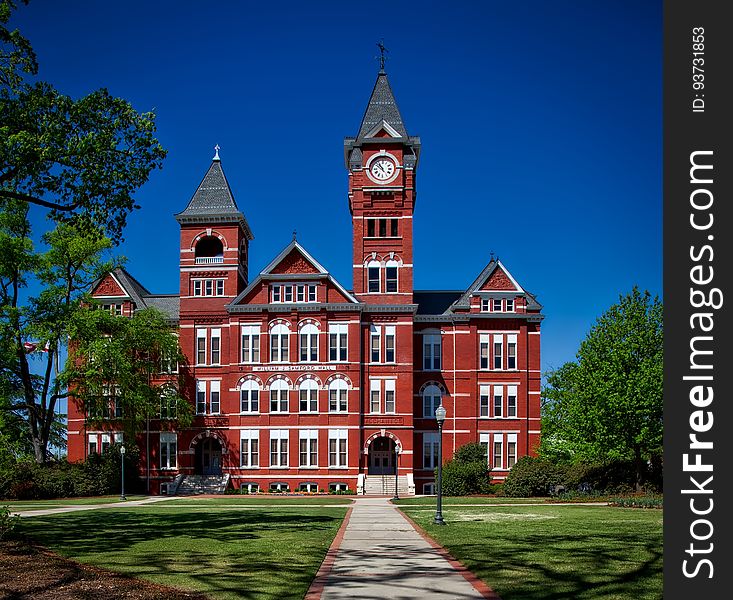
(208, 457)
(381, 456)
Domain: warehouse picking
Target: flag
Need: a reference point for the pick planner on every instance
(29, 346)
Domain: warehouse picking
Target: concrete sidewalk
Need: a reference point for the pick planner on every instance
(78, 507)
(381, 555)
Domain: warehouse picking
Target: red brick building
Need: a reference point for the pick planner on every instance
(299, 382)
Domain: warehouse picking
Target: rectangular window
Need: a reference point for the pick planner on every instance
(92, 443)
(389, 396)
(279, 350)
(105, 442)
(308, 399)
(511, 351)
(511, 450)
(197, 290)
(382, 227)
(168, 450)
(308, 347)
(214, 397)
(496, 302)
(431, 352)
(498, 350)
(279, 399)
(337, 442)
(288, 295)
(249, 451)
(311, 293)
(376, 343)
(390, 277)
(375, 392)
(279, 448)
(484, 441)
(498, 451)
(117, 403)
(337, 400)
(219, 287)
(509, 304)
(250, 398)
(511, 401)
(250, 344)
(337, 342)
(208, 287)
(429, 450)
(308, 441)
(201, 346)
(370, 228)
(498, 400)
(200, 397)
(484, 351)
(215, 346)
(300, 293)
(373, 277)
(276, 293)
(394, 227)
(484, 401)
(485, 305)
(389, 344)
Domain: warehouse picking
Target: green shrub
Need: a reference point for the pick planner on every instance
(8, 523)
(467, 472)
(532, 477)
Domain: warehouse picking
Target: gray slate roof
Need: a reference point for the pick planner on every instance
(169, 305)
(382, 107)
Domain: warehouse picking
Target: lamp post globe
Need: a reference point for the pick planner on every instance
(122, 471)
(440, 418)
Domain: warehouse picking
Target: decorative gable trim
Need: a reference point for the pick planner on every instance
(383, 126)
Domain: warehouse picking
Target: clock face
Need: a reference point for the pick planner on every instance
(382, 169)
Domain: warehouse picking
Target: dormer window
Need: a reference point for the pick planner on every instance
(496, 302)
(297, 292)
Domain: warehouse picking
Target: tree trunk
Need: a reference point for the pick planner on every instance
(639, 464)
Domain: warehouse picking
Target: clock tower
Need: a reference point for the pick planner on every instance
(381, 161)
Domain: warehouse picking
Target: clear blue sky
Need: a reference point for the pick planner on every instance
(540, 124)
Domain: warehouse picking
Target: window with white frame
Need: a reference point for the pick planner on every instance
(390, 276)
(431, 398)
(337, 396)
(249, 448)
(389, 395)
(485, 439)
(287, 293)
(168, 402)
(201, 346)
(511, 450)
(498, 451)
(215, 346)
(496, 304)
(509, 305)
(250, 343)
(375, 343)
(308, 394)
(389, 343)
(430, 450)
(168, 450)
(337, 486)
(300, 293)
(485, 304)
(484, 392)
(338, 342)
(511, 351)
(207, 287)
(279, 447)
(309, 343)
(249, 487)
(92, 443)
(279, 343)
(106, 442)
(498, 351)
(431, 351)
(373, 276)
(498, 400)
(337, 443)
(511, 401)
(215, 397)
(200, 397)
(375, 393)
(113, 309)
(312, 293)
(308, 487)
(483, 354)
(249, 396)
(308, 447)
(279, 396)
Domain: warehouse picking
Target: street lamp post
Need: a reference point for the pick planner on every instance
(396, 469)
(440, 417)
(122, 465)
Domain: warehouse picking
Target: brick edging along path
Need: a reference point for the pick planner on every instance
(316, 588)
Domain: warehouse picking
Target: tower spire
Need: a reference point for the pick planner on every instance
(216, 152)
(382, 57)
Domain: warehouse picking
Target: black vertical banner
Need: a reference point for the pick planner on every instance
(698, 299)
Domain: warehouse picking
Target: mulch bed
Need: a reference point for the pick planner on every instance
(28, 571)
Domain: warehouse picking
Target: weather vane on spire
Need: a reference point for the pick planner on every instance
(382, 57)
(216, 156)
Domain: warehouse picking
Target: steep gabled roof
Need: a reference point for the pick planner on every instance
(382, 107)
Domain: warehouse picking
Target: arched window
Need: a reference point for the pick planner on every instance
(390, 276)
(250, 396)
(279, 343)
(209, 250)
(309, 343)
(431, 398)
(373, 270)
(338, 396)
(279, 396)
(308, 396)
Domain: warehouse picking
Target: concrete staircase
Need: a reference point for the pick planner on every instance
(383, 485)
(193, 485)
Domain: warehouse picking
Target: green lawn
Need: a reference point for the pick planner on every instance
(223, 552)
(40, 504)
(464, 500)
(555, 552)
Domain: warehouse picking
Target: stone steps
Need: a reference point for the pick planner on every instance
(384, 485)
(193, 485)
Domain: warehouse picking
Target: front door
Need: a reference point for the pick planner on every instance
(211, 457)
(381, 457)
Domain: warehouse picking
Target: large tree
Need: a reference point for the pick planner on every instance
(608, 403)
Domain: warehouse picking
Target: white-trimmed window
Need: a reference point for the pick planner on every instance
(428, 489)
(511, 450)
(389, 343)
(200, 397)
(389, 395)
(113, 309)
(431, 351)
(249, 395)
(249, 487)
(511, 351)
(498, 351)
(498, 452)
(337, 444)
(431, 398)
(509, 305)
(308, 447)
(312, 297)
(483, 353)
(375, 393)
(484, 395)
(308, 394)
(496, 304)
(498, 400)
(215, 397)
(215, 346)
(208, 287)
(201, 346)
(485, 439)
(92, 443)
(300, 293)
(390, 276)
(375, 343)
(250, 343)
(373, 275)
(338, 342)
(279, 396)
(287, 293)
(485, 304)
(168, 450)
(430, 450)
(337, 486)
(279, 343)
(337, 396)
(249, 448)
(511, 401)
(106, 442)
(279, 447)
(309, 343)
(276, 293)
